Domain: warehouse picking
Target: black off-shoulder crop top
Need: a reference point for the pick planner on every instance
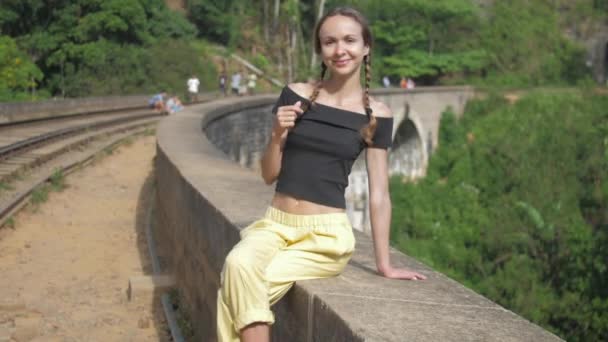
(320, 150)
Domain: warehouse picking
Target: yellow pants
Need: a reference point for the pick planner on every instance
(273, 253)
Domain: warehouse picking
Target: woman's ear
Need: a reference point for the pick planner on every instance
(366, 50)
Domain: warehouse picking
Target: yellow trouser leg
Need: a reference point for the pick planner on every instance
(263, 266)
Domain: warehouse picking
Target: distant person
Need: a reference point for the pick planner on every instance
(174, 105)
(193, 84)
(410, 83)
(403, 83)
(158, 102)
(386, 82)
(222, 83)
(251, 83)
(235, 84)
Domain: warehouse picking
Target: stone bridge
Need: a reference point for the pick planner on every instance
(416, 113)
(204, 199)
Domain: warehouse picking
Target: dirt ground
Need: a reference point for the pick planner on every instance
(65, 266)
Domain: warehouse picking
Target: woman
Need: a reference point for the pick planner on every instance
(318, 132)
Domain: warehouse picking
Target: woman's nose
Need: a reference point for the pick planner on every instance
(339, 49)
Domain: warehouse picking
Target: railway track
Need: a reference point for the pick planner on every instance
(31, 152)
(27, 145)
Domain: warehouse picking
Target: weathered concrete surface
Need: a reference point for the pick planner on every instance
(13, 112)
(204, 199)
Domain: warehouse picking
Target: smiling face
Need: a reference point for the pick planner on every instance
(342, 44)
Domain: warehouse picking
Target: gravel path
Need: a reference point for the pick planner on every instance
(65, 266)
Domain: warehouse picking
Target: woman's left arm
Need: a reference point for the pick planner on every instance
(380, 212)
(380, 207)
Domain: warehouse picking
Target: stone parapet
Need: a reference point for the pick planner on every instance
(14, 112)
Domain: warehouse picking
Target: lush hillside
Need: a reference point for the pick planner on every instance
(515, 206)
(93, 47)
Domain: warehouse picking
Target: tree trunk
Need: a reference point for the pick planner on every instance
(266, 20)
(289, 55)
(294, 45)
(279, 50)
(275, 18)
(62, 80)
(313, 57)
(431, 34)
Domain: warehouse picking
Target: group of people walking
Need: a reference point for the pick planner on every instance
(164, 103)
(404, 83)
(238, 85)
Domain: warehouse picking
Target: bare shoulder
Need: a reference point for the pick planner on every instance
(380, 109)
(302, 89)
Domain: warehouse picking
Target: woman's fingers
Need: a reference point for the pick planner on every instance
(413, 276)
(295, 111)
(296, 108)
(286, 121)
(402, 273)
(287, 115)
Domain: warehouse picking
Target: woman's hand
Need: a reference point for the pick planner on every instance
(286, 118)
(401, 273)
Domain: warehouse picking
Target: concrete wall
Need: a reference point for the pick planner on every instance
(12, 112)
(204, 199)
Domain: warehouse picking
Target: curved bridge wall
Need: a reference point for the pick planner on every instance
(204, 198)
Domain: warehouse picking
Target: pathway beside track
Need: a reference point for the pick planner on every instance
(65, 266)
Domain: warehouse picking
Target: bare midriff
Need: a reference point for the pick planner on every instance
(292, 205)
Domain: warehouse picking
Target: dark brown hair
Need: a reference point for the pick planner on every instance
(368, 130)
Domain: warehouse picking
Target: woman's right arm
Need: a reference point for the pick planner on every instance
(283, 122)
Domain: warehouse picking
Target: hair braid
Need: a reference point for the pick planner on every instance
(317, 88)
(368, 130)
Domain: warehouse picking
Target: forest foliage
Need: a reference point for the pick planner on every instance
(515, 206)
(94, 47)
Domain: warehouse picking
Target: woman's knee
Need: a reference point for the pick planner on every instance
(239, 260)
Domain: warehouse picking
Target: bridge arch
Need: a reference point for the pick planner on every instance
(409, 155)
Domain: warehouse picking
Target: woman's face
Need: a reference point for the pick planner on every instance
(342, 45)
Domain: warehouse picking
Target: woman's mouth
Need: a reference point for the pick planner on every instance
(341, 63)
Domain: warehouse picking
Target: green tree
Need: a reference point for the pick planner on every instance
(527, 46)
(94, 47)
(18, 75)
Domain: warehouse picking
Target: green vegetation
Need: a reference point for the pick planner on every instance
(41, 194)
(182, 317)
(5, 186)
(514, 206)
(510, 43)
(426, 39)
(149, 131)
(18, 74)
(57, 180)
(9, 223)
(93, 47)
